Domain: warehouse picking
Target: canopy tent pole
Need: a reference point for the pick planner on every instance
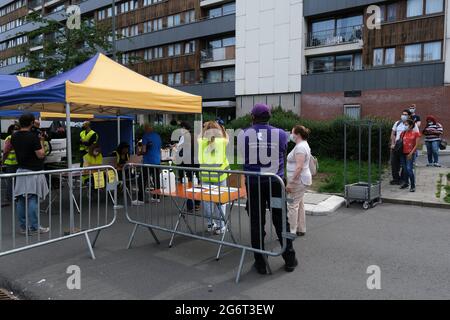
(69, 165)
(134, 134)
(118, 130)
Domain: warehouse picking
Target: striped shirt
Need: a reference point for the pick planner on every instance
(433, 132)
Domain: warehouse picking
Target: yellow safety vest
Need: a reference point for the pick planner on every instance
(11, 159)
(213, 157)
(118, 157)
(85, 137)
(96, 161)
(93, 161)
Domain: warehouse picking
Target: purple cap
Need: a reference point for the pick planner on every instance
(261, 110)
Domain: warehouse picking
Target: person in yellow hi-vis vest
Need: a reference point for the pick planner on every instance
(93, 158)
(88, 137)
(10, 161)
(213, 156)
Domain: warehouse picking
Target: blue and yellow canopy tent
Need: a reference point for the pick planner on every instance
(99, 86)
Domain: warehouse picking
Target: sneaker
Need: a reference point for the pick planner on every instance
(430, 165)
(211, 227)
(137, 203)
(437, 165)
(412, 190)
(405, 186)
(41, 230)
(291, 266)
(155, 200)
(260, 268)
(220, 230)
(301, 234)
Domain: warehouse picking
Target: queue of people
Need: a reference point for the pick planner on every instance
(405, 141)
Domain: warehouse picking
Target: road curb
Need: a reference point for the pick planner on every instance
(326, 207)
(417, 203)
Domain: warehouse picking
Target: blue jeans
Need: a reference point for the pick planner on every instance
(433, 151)
(408, 170)
(32, 211)
(213, 211)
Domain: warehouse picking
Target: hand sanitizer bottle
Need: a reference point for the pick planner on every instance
(185, 179)
(195, 180)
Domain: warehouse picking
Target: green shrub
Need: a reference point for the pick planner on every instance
(165, 131)
(327, 137)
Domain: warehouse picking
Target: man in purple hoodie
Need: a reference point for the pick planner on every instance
(265, 149)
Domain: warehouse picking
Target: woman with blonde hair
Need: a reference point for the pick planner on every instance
(299, 178)
(213, 143)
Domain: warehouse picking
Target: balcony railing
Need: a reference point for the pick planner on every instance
(335, 36)
(32, 4)
(218, 54)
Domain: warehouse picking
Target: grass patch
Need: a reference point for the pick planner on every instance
(330, 178)
(439, 186)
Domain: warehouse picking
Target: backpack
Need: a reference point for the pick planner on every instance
(313, 165)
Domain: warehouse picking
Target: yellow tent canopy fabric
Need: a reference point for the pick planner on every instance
(25, 82)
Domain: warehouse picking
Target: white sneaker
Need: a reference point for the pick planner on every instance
(211, 227)
(137, 203)
(155, 200)
(220, 230)
(437, 165)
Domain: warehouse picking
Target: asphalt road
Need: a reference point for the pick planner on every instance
(409, 244)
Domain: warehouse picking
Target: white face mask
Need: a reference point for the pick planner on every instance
(412, 111)
(293, 138)
(95, 153)
(404, 118)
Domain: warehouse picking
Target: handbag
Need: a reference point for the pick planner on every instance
(398, 148)
(443, 144)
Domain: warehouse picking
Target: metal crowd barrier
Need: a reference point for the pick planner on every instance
(79, 202)
(177, 208)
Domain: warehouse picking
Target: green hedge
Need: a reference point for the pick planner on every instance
(327, 137)
(165, 131)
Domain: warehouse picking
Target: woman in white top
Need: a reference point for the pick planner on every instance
(298, 179)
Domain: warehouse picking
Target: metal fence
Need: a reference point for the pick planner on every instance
(231, 214)
(63, 204)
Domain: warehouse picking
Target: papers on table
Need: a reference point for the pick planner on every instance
(212, 190)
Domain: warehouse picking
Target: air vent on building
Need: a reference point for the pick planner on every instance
(352, 94)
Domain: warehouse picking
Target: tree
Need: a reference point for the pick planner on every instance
(62, 48)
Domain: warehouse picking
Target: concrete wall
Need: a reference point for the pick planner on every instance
(268, 46)
(289, 101)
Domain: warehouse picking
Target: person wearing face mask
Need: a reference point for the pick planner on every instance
(299, 178)
(396, 152)
(411, 139)
(433, 134)
(414, 116)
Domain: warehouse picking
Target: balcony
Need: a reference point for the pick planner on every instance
(35, 4)
(36, 43)
(208, 3)
(218, 57)
(335, 37)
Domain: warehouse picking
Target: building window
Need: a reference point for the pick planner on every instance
(414, 8)
(335, 31)
(174, 79)
(432, 51)
(391, 14)
(157, 24)
(221, 75)
(147, 26)
(189, 47)
(228, 74)
(189, 16)
(157, 78)
(353, 111)
(383, 57)
(148, 54)
(413, 53)
(226, 9)
(189, 77)
(173, 21)
(434, 6)
(345, 62)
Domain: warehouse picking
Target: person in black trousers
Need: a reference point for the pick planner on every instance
(265, 193)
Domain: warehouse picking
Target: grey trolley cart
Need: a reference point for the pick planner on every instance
(366, 192)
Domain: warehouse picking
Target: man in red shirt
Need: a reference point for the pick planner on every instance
(411, 140)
